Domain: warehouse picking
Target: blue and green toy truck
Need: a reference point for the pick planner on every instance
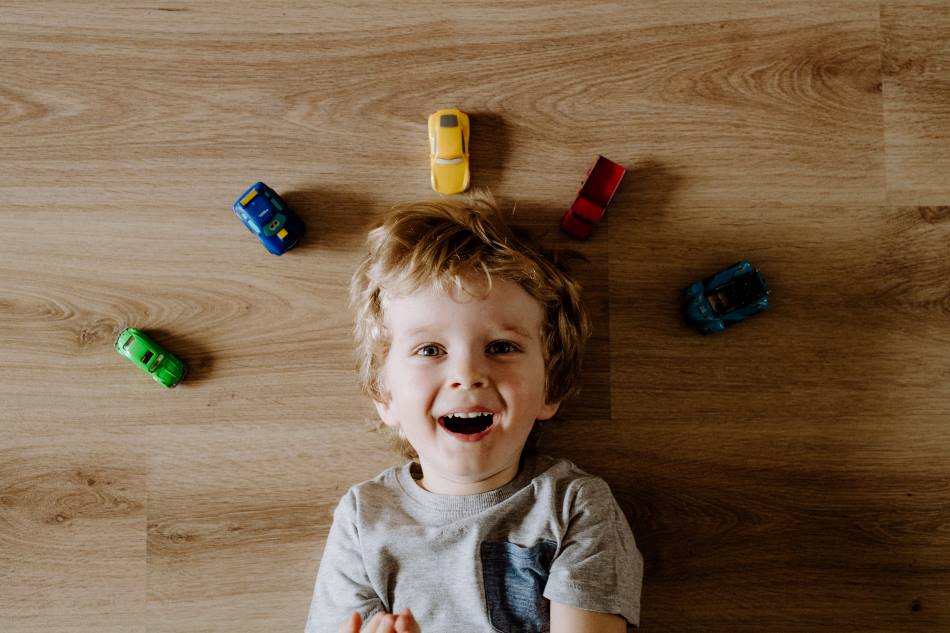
(266, 215)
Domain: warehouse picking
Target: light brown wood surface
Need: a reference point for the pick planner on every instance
(791, 474)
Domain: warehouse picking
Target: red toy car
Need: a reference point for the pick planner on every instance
(600, 185)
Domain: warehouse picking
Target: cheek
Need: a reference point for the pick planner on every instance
(406, 372)
(536, 375)
(528, 384)
(411, 382)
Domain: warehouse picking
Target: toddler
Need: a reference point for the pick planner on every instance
(469, 335)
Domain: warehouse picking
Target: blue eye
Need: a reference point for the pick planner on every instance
(502, 347)
(428, 350)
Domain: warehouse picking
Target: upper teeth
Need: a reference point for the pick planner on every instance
(466, 415)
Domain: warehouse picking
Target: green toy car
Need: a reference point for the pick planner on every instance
(166, 368)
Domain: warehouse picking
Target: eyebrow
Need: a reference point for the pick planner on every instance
(520, 331)
(517, 330)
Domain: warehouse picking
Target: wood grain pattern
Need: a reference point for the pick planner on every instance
(916, 78)
(793, 474)
(789, 475)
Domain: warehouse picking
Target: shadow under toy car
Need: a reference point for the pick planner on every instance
(266, 215)
(166, 368)
(725, 298)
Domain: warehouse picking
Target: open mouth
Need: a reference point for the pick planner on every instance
(467, 423)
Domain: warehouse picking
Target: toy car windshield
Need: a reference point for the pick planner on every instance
(736, 293)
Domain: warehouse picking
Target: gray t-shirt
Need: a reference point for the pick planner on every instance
(485, 562)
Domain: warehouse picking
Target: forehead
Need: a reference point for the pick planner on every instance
(506, 306)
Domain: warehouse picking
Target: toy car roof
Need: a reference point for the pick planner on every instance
(449, 139)
(258, 209)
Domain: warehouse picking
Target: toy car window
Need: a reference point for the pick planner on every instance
(735, 294)
(128, 343)
(448, 120)
(147, 357)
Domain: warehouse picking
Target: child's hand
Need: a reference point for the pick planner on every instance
(383, 622)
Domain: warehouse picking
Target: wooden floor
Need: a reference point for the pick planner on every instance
(791, 474)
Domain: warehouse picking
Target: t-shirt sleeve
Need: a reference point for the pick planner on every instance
(342, 585)
(598, 567)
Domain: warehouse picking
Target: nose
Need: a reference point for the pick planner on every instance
(467, 372)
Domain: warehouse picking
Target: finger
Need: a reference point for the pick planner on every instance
(373, 626)
(386, 624)
(406, 623)
(352, 625)
(404, 620)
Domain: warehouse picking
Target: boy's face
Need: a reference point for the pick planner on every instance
(455, 352)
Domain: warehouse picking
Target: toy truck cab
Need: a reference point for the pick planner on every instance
(600, 185)
(725, 298)
(266, 215)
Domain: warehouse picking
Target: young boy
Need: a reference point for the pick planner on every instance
(468, 335)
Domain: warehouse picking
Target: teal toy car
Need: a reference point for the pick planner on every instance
(725, 298)
(166, 368)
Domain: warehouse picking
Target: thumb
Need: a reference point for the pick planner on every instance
(406, 623)
(353, 624)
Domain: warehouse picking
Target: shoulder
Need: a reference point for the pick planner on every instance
(369, 492)
(568, 484)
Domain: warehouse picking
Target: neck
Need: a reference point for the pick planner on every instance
(451, 486)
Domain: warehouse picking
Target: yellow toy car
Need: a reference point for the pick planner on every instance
(448, 144)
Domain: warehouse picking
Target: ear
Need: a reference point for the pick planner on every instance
(548, 410)
(386, 414)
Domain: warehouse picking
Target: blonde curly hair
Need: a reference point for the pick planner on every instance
(442, 241)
